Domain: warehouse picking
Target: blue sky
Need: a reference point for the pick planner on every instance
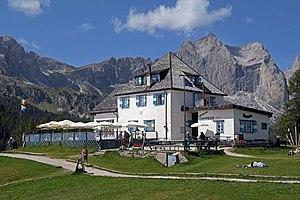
(81, 32)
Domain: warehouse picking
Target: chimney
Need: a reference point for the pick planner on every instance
(148, 75)
(202, 100)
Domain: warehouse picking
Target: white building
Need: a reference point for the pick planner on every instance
(157, 97)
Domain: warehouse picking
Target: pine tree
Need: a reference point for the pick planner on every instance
(288, 124)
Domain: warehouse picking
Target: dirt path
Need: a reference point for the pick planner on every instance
(99, 172)
(229, 151)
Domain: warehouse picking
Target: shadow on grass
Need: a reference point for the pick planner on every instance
(205, 152)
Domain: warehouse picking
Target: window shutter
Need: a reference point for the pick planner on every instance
(145, 122)
(137, 101)
(145, 100)
(242, 126)
(153, 125)
(254, 126)
(222, 125)
(126, 103)
(162, 99)
(193, 80)
(217, 126)
(154, 99)
(121, 102)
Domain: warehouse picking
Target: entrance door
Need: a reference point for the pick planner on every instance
(195, 129)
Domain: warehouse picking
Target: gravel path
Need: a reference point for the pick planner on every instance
(99, 172)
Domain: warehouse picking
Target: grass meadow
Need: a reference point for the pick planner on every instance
(23, 179)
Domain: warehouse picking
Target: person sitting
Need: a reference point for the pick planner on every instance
(208, 143)
(295, 152)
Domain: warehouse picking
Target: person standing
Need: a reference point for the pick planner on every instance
(11, 142)
(188, 140)
(85, 154)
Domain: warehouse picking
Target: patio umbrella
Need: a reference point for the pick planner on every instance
(65, 124)
(77, 125)
(198, 124)
(195, 125)
(52, 125)
(108, 125)
(133, 124)
(91, 125)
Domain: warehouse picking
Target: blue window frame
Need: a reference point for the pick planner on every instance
(150, 125)
(248, 126)
(197, 80)
(155, 78)
(140, 80)
(131, 129)
(159, 99)
(220, 126)
(141, 100)
(124, 102)
(212, 101)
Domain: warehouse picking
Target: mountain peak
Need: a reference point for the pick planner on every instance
(296, 65)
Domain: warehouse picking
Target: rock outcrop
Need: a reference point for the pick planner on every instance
(233, 69)
(296, 66)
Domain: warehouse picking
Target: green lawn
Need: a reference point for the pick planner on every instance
(279, 163)
(13, 169)
(81, 186)
(24, 179)
(55, 151)
(204, 164)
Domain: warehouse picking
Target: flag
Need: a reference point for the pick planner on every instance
(23, 105)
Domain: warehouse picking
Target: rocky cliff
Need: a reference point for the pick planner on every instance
(248, 74)
(235, 69)
(296, 66)
(56, 86)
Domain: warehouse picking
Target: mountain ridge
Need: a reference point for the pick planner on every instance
(55, 85)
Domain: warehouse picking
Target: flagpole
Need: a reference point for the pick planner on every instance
(20, 123)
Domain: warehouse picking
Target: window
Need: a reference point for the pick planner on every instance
(124, 102)
(159, 99)
(155, 78)
(220, 126)
(131, 129)
(150, 125)
(196, 80)
(197, 97)
(248, 126)
(140, 80)
(264, 126)
(212, 101)
(141, 100)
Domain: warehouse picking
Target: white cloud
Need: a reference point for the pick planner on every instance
(87, 26)
(28, 44)
(249, 20)
(185, 16)
(29, 7)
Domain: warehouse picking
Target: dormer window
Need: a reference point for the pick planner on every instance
(197, 81)
(155, 78)
(140, 80)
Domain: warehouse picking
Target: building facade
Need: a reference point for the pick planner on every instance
(170, 96)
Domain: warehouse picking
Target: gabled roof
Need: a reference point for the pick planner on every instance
(109, 104)
(173, 67)
(232, 106)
